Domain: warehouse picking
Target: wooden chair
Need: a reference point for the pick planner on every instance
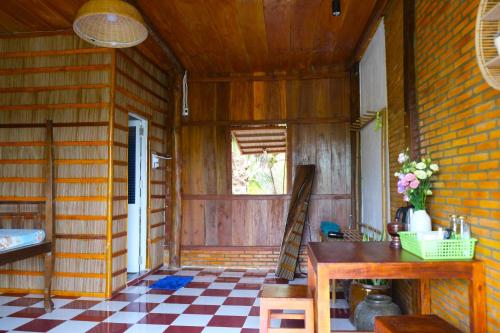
(413, 324)
(286, 297)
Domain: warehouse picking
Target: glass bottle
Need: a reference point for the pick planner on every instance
(453, 226)
(464, 228)
(460, 227)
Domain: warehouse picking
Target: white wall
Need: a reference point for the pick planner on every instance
(373, 97)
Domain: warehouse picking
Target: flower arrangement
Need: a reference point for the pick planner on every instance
(414, 179)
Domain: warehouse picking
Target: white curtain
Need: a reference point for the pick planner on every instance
(373, 97)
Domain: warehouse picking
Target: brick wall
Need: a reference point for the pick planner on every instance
(236, 257)
(459, 121)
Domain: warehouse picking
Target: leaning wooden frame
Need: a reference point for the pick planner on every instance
(47, 246)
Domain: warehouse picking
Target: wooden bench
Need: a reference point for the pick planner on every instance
(413, 324)
(286, 297)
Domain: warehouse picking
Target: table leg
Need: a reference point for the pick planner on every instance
(425, 297)
(311, 284)
(322, 297)
(311, 276)
(477, 299)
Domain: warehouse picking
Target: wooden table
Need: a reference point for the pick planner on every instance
(357, 260)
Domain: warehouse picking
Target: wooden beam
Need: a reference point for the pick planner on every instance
(370, 28)
(176, 64)
(50, 229)
(411, 118)
(337, 70)
(355, 161)
(176, 227)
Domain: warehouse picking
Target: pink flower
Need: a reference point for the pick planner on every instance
(414, 184)
(405, 198)
(409, 177)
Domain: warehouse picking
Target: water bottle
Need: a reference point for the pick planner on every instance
(453, 226)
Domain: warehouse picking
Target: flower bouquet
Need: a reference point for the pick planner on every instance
(415, 184)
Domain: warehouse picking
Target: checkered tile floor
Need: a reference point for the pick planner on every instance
(217, 300)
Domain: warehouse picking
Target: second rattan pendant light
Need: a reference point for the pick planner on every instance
(110, 23)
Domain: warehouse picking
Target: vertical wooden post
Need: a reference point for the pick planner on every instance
(355, 165)
(109, 211)
(425, 296)
(477, 299)
(410, 96)
(176, 225)
(49, 219)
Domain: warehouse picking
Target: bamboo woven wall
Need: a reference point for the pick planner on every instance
(77, 86)
(141, 89)
(64, 79)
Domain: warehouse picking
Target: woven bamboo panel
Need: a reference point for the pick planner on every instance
(71, 88)
(141, 90)
(82, 153)
(119, 281)
(21, 282)
(83, 170)
(78, 285)
(86, 208)
(119, 226)
(120, 261)
(45, 43)
(80, 266)
(119, 244)
(132, 57)
(120, 171)
(88, 246)
(156, 254)
(119, 207)
(78, 227)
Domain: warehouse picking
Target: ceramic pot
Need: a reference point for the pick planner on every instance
(371, 307)
(358, 292)
(420, 221)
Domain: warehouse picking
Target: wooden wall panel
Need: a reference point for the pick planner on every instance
(328, 147)
(204, 152)
(317, 114)
(64, 79)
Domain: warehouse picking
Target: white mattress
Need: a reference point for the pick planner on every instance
(14, 238)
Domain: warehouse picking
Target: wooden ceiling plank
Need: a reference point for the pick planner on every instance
(303, 30)
(10, 23)
(154, 35)
(252, 23)
(214, 37)
(225, 22)
(164, 17)
(278, 20)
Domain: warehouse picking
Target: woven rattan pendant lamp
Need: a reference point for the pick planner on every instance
(110, 23)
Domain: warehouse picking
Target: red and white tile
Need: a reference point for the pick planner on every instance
(217, 300)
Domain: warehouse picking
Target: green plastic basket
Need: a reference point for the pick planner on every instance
(438, 249)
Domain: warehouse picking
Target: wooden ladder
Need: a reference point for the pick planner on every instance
(297, 214)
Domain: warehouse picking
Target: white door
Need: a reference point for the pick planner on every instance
(137, 195)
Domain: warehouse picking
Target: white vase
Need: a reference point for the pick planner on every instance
(420, 221)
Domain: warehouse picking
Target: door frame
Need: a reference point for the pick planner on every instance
(144, 192)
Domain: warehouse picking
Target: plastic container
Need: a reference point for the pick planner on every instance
(444, 249)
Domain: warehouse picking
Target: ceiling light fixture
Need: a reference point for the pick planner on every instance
(336, 7)
(110, 23)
